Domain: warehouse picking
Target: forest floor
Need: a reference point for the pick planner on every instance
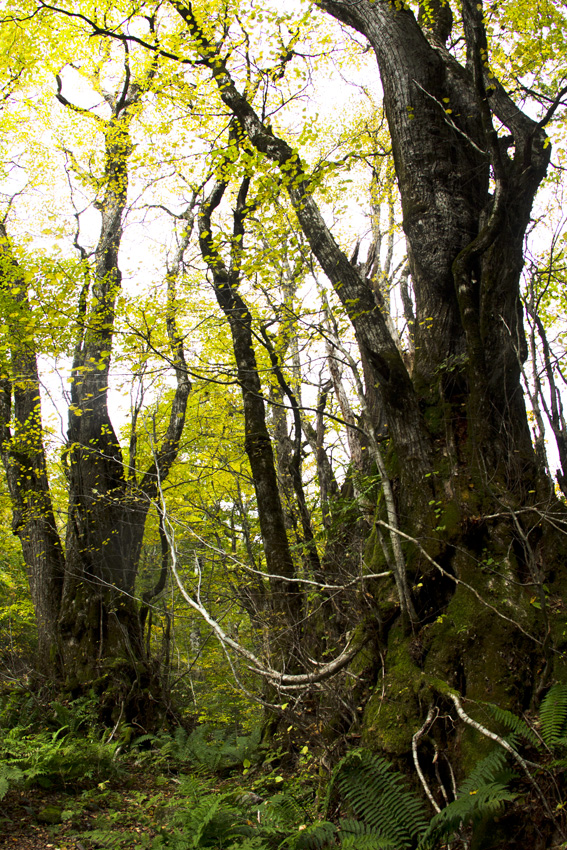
(118, 813)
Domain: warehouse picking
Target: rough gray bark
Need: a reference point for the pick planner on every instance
(465, 245)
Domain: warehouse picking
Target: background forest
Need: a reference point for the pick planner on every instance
(284, 452)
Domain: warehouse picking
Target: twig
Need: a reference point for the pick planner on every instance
(508, 747)
(419, 771)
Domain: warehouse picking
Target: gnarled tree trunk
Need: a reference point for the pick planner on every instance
(476, 516)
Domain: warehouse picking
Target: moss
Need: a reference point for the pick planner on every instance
(438, 686)
(434, 416)
(393, 715)
(483, 656)
(366, 657)
(383, 590)
(373, 554)
(50, 814)
(450, 520)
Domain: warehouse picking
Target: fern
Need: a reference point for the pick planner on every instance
(10, 775)
(210, 750)
(483, 794)
(204, 816)
(513, 723)
(212, 822)
(553, 715)
(282, 810)
(256, 842)
(315, 836)
(355, 835)
(491, 769)
(378, 797)
(371, 841)
(57, 758)
(468, 809)
(244, 747)
(145, 739)
(191, 787)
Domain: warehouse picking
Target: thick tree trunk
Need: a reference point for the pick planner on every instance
(476, 517)
(488, 545)
(88, 619)
(99, 620)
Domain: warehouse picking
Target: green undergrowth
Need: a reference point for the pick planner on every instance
(214, 788)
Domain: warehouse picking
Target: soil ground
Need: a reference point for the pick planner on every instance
(118, 813)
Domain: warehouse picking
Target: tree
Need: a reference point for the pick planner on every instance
(457, 424)
(83, 591)
(465, 533)
(470, 493)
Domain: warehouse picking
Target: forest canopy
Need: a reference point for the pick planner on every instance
(282, 362)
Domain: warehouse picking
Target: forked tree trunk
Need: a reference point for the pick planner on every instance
(84, 593)
(481, 529)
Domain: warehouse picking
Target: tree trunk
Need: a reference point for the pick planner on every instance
(88, 619)
(481, 553)
(476, 518)
(23, 457)
(286, 599)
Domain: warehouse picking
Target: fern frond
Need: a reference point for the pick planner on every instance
(191, 787)
(256, 842)
(282, 810)
(144, 739)
(553, 714)
(355, 835)
(378, 797)
(211, 750)
(558, 765)
(10, 775)
(491, 769)
(512, 722)
(371, 841)
(467, 809)
(213, 821)
(315, 836)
